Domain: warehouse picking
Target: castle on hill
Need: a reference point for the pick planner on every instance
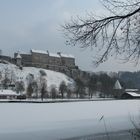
(44, 59)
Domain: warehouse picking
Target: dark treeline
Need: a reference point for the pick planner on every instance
(130, 79)
(101, 85)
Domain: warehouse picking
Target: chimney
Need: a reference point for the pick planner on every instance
(59, 53)
(48, 52)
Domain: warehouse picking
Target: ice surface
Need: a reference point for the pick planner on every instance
(64, 120)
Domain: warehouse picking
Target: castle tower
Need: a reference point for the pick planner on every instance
(118, 89)
(117, 85)
(18, 60)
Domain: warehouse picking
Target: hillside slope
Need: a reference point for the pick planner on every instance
(53, 78)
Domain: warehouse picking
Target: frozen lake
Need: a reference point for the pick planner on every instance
(50, 121)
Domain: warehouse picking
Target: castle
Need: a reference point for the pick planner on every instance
(44, 59)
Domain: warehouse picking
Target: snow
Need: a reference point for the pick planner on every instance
(131, 90)
(65, 120)
(39, 51)
(52, 54)
(7, 92)
(133, 94)
(53, 78)
(67, 55)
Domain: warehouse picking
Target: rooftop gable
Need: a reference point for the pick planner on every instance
(117, 85)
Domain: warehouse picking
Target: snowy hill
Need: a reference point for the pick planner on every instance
(53, 78)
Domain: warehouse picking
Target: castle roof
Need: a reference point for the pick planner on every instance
(52, 54)
(18, 56)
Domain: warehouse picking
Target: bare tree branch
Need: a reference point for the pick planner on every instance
(118, 34)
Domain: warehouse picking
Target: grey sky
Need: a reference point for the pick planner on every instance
(27, 24)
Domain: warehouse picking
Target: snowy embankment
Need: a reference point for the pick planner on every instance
(53, 78)
(65, 120)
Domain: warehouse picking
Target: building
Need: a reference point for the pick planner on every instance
(59, 62)
(118, 89)
(8, 94)
(43, 59)
(117, 85)
(131, 94)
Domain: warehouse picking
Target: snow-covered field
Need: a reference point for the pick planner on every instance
(65, 120)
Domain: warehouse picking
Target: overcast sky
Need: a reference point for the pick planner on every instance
(27, 24)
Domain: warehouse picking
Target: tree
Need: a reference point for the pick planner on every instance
(107, 84)
(43, 84)
(43, 90)
(92, 85)
(62, 88)
(42, 73)
(79, 87)
(116, 35)
(0, 79)
(19, 86)
(12, 77)
(30, 79)
(69, 92)
(29, 90)
(70, 89)
(6, 79)
(35, 88)
(53, 92)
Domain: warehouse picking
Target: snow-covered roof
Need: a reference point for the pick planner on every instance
(7, 92)
(117, 85)
(131, 90)
(67, 55)
(134, 94)
(18, 56)
(52, 54)
(39, 51)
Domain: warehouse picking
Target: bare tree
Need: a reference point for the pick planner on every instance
(70, 89)
(32, 86)
(62, 88)
(53, 91)
(19, 86)
(69, 92)
(117, 35)
(35, 88)
(29, 90)
(0, 77)
(79, 87)
(29, 78)
(43, 84)
(92, 85)
(6, 78)
(43, 90)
